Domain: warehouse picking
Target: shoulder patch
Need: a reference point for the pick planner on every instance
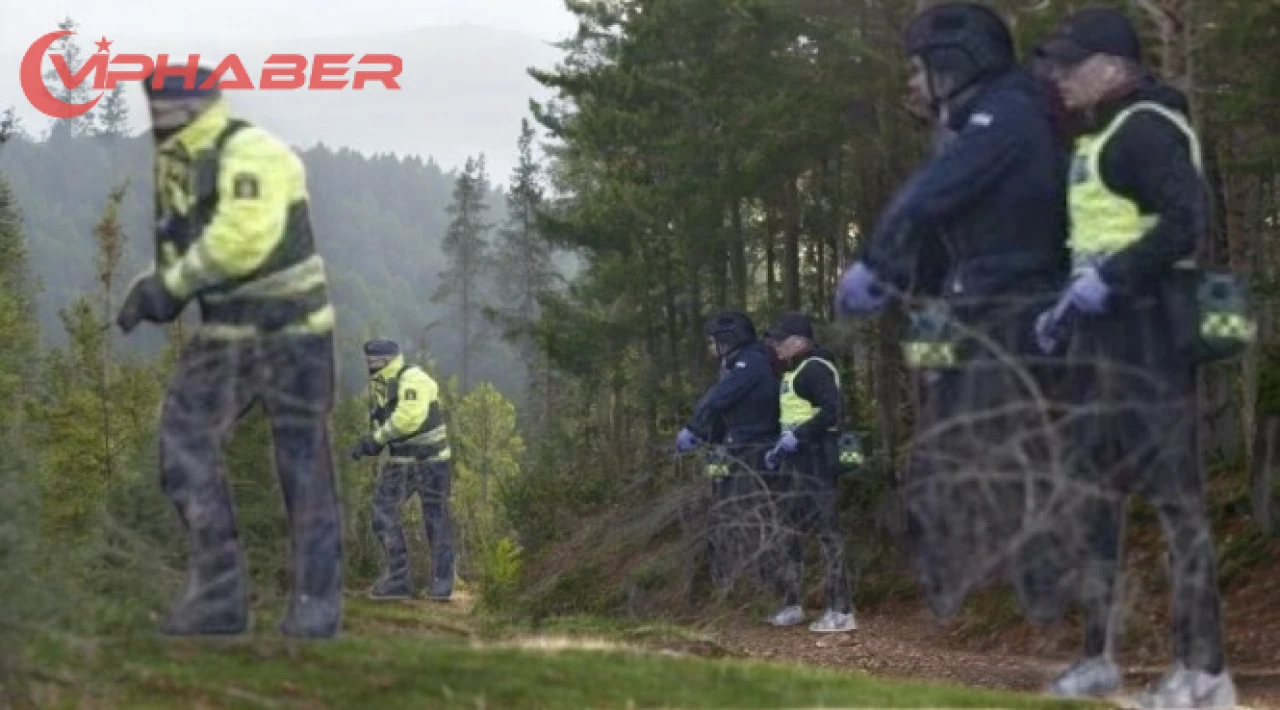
(245, 186)
(411, 395)
(740, 366)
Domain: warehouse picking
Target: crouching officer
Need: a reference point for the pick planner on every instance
(234, 232)
(1138, 212)
(408, 418)
(739, 417)
(808, 454)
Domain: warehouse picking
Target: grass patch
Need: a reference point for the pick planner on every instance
(443, 658)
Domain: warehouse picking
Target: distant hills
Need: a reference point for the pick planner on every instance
(464, 90)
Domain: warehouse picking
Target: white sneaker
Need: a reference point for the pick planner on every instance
(789, 616)
(1088, 677)
(834, 622)
(1182, 687)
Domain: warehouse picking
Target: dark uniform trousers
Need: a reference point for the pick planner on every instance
(1134, 430)
(216, 382)
(739, 521)
(397, 482)
(807, 491)
(979, 484)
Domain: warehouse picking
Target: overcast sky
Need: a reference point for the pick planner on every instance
(480, 101)
(24, 20)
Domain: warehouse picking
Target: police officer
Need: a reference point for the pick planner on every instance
(408, 417)
(738, 416)
(808, 454)
(994, 195)
(1138, 213)
(234, 232)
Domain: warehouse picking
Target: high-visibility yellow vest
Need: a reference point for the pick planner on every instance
(412, 416)
(797, 410)
(234, 230)
(1102, 221)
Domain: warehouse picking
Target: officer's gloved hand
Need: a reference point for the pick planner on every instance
(1046, 338)
(366, 447)
(788, 442)
(148, 300)
(771, 459)
(859, 291)
(686, 441)
(1088, 292)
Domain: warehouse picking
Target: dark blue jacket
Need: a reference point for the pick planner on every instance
(995, 197)
(742, 408)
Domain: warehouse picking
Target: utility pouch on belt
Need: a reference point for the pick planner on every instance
(717, 461)
(931, 339)
(1211, 315)
(849, 448)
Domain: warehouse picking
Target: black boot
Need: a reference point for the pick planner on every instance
(391, 587)
(441, 589)
(313, 617)
(216, 599)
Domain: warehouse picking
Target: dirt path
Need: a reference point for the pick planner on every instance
(914, 647)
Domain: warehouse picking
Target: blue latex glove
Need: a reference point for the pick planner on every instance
(1088, 292)
(771, 459)
(858, 291)
(788, 443)
(1045, 339)
(686, 441)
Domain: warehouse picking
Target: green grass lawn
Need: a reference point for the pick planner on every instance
(416, 655)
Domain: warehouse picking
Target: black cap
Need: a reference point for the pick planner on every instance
(1095, 30)
(174, 85)
(790, 324)
(381, 348)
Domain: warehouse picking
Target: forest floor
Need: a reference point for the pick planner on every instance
(420, 654)
(907, 643)
(416, 654)
(989, 646)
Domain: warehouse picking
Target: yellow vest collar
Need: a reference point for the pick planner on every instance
(203, 131)
(392, 369)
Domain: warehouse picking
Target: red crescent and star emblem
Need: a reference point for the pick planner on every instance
(33, 85)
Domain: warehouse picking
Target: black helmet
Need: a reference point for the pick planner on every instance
(964, 40)
(730, 330)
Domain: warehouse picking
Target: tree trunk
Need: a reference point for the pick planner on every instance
(738, 254)
(1260, 467)
(791, 248)
(770, 254)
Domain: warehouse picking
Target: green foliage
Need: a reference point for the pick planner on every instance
(466, 246)
(487, 449)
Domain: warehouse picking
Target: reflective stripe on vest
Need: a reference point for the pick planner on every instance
(797, 410)
(1102, 221)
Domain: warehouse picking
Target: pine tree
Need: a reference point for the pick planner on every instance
(114, 114)
(525, 271)
(10, 125)
(18, 322)
(466, 246)
(74, 56)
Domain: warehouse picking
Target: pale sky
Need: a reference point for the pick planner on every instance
(24, 20)
(469, 108)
